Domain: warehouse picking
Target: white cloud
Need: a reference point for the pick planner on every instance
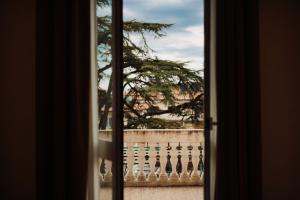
(129, 13)
(183, 42)
(190, 37)
(104, 11)
(196, 30)
(169, 3)
(194, 62)
(184, 46)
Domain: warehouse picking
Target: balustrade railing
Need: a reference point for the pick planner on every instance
(159, 158)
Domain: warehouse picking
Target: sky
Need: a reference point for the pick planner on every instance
(184, 41)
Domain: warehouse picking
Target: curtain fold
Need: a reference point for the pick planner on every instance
(238, 143)
(63, 88)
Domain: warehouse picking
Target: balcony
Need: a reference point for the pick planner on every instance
(158, 164)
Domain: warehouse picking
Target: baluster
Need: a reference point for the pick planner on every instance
(179, 163)
(157, 168)
(141, 176)
(152, 177)
(190, 166)
(174, 178)
(184, 176)
(195, 177)
(129, 177)
(147, 161)
(136, 167)
(125, 158)
(99, 171)
(163, 178)
(102, 168)
(108, 176)
(201, 162)
(169, 164)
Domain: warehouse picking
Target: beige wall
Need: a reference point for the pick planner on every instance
(280, 98)
(17, 99)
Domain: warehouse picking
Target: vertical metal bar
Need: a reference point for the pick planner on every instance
(207, 98)
(117, 69)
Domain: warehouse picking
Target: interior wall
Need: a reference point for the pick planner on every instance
(17, 99)
(280, 98)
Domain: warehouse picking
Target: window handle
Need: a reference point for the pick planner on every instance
(209, 123)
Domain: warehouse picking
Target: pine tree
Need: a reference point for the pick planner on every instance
(148, 81)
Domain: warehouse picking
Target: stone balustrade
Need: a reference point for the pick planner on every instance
(158, 157)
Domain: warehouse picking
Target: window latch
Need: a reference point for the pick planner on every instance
(209, 123)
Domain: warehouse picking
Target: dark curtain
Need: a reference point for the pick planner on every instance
(238, 140)
(62, 101)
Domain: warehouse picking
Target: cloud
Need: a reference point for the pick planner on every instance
(159, 3)
(170, 3)
(193, 57)
(189, 38)
(193, 62)
(180, 12)
(185, 40)
(184, 46)
(104, 11)
(196, 30)
(129, 13)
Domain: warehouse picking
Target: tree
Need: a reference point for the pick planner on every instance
(148, 81)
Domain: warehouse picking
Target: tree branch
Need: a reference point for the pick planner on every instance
(131, 108)
(104, 68)
(173, 109)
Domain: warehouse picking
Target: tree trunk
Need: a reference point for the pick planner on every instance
(104, 115)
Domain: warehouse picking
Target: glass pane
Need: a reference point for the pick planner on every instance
(163, 99)
(104, 58)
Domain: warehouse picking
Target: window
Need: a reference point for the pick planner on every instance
(125, 109)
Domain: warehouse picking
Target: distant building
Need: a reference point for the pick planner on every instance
(180, 99)
(141, 106)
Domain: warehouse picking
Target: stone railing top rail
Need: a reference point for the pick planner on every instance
(151, 130)
(157, 135)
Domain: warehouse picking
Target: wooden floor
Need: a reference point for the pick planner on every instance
(157, 193)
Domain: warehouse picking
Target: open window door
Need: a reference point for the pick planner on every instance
(107, 59)
(109, 70)
(210, 98)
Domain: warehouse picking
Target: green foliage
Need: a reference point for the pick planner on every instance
(103, 3)
(148, 81)
(152, 123)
